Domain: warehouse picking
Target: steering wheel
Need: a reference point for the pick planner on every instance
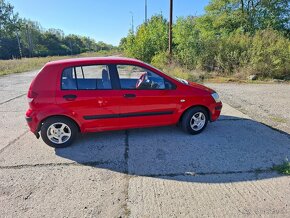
(140, 80)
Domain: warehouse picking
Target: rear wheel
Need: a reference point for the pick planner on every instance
(58, 132)
(195, 120)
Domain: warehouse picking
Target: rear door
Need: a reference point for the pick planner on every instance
(87, 94)
(146, 98)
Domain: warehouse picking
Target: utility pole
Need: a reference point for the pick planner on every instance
(145, 11)
(170, 29)
(132, 21)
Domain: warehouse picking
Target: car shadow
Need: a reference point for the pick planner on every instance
(232, 149)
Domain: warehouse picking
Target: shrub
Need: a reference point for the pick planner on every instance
(270, 54)
(160, 60)
(233, 52)
(187, 42)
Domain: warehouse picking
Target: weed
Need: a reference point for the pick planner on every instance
(278, 119)
(284, 168)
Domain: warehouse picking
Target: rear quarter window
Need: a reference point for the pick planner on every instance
(91, 77)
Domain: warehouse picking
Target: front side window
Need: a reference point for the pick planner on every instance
(91, 77)
(135, 77)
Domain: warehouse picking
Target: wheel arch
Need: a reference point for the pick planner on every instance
(62, 116)
(193, 106)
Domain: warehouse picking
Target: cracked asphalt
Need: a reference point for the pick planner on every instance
(153, 172)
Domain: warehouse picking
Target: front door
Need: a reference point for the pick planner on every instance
(146, 98)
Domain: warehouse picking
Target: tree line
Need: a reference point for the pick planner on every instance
(25, 38)
(232, 37)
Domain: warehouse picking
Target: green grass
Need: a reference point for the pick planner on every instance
(28, 64)
(283, 168)
(183, 73)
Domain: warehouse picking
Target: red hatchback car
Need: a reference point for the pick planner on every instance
(110, 93)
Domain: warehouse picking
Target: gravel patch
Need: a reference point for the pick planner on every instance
(267, 103)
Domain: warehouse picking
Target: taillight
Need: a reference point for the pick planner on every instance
(31, 96)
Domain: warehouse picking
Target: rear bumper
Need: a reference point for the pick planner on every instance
(32, 121)
(28, 119)
(216, 111)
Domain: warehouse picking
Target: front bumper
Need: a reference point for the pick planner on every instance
(216, 111)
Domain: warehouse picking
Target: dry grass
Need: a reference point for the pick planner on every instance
(175, 70)
(28, 64)
(233, 79)
(278, 119)
(197, 75)
(200, 76)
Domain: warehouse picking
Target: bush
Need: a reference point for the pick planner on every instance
(187, 42)
(233, 52)
(160, 60)
(270, 54)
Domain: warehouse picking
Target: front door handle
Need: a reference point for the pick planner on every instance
(69, 97)
(129, 96)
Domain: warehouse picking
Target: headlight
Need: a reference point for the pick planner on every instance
(216, 97)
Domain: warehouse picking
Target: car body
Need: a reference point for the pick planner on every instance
(113, 93)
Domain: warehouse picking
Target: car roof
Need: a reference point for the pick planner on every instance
(87, 60)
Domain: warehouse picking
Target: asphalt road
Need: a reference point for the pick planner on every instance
(154, 172)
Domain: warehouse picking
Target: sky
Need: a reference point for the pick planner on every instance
(102, 20)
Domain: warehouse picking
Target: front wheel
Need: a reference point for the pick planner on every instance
(195, 120)
(58, 132)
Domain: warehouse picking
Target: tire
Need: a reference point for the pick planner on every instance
(189, 124)
(58, 132)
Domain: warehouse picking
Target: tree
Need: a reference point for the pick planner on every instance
(9, 27)
(250, 15)
(187, 41)
(122, 43)
(150, 39)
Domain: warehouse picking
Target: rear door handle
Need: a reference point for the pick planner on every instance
(129, 96)
(69, 97)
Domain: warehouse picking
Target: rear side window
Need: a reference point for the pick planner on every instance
(68, 81)
(91, 77)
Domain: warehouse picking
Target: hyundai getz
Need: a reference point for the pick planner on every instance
(110, 93)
